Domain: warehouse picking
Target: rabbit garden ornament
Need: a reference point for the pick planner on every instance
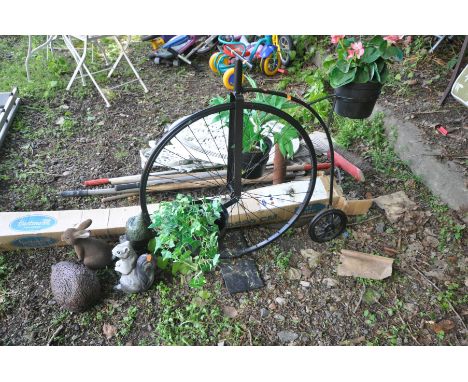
(93, 253)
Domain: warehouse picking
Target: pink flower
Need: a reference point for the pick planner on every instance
(357, 48)
(335, 38)
(350, 54)
(392, 39)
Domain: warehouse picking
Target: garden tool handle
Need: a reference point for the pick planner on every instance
(348, 167)
(96, 182)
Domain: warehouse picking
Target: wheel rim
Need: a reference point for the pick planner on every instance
(271, 64)
(197, 135)
(284, 49)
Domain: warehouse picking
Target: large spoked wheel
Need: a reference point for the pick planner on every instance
(285, 47)
(192, 159)
(327, 225)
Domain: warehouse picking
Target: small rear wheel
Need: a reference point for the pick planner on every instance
(327, 225)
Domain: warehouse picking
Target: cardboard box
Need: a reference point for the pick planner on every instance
(44, 228)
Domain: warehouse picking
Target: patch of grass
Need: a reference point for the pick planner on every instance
(47, 75)
(451, 296)
(370, 317)
(283, 259)
(121, 154)
(4, 272)
(127, 322)
(396, 333)
(60, 317)
(450, 231)
(199, 322)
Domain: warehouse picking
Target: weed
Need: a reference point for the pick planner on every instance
(60, 317)
(121, 154)
(449, 296)
(127, 322)
(394, 337)
(370, 318)
(440, 335)
(196, 323)
(282, 260)
(4, 272)
(85, 319)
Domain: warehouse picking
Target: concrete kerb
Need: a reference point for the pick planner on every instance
(444, 179)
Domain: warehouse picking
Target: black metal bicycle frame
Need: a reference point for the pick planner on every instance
(236, 129)
(236, 125)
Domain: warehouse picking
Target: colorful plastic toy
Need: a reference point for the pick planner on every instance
(263, 49)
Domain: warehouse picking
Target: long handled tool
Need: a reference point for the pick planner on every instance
(202, 179)
(125, 179)
(343, 158)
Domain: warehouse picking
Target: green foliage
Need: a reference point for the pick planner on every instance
(371, 66)
(306, 46)
(47, 75)
(127, 321)
(4, 272)
(449, 296)
(258, 124)
(187, 237)
(200, 322)
(316, 88)
(370, 318)
(283, 259)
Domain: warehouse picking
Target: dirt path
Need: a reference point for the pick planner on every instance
(304, 301)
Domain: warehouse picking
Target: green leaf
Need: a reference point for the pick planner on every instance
(393, 52)
(362, 75)
(384, 74)
(370, 55)
(338, 78)
(152, 245)
(343, 65)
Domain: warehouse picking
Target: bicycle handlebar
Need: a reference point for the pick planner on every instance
(243, 59)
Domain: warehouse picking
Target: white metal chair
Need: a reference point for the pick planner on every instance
(31, 51)
(81, 64)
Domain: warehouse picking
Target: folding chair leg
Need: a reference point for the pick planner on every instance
(28, 57)
(76, 56)
(31, 51)
(122, 53)
(79, 65)
(96, 85)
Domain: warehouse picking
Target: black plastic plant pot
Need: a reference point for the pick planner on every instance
(253, 163)
(356, 101)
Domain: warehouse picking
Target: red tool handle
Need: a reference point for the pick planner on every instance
(96, 182)
(347, 166)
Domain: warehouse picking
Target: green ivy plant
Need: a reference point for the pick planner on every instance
(186, 240)
(362, 61)
(256, 123)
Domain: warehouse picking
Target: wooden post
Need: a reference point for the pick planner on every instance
(279, 166)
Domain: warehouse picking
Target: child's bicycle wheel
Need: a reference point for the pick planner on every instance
(212, 61)
(196, 149)
(270, 65)
(286, 45)
(228, 79)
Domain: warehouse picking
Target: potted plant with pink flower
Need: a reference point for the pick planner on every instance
(358, 71)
